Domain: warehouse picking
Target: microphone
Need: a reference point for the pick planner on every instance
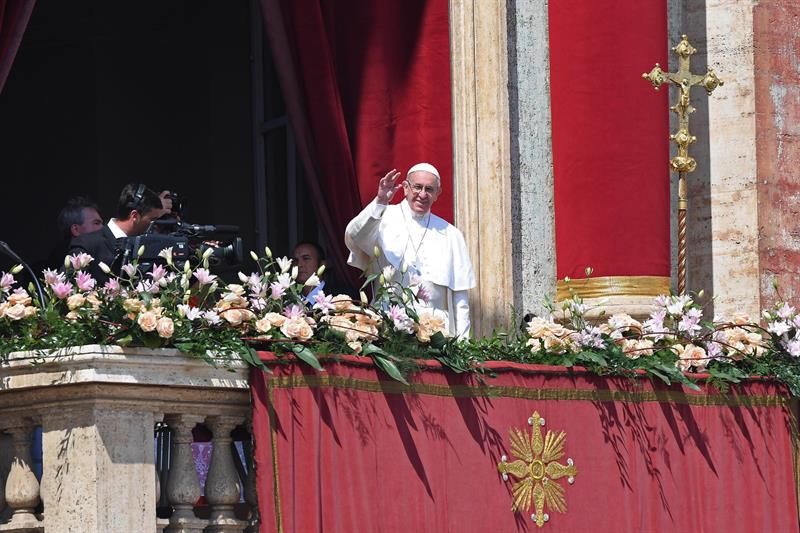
(9, 252)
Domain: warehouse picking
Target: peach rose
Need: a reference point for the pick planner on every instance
(276, 319)
(263, 325)
(20, 298)
(234, 317)
(165, 327)
(132, 305)
(148, 321)
(15, 312)
(429, 324)
(342, 302)
(76, 301)
(691, 356)
(297, 328)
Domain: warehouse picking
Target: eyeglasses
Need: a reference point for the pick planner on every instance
(418, 188)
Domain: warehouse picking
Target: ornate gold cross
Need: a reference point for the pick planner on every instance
(683, 163)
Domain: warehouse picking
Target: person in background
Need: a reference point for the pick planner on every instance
(78, 216)
(309, 256)
(138, 206)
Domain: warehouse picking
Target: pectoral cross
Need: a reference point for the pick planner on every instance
(683, 163)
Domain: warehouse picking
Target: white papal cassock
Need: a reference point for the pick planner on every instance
(433, 249)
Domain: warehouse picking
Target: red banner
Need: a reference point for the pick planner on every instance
(610, 138)
(348, 450)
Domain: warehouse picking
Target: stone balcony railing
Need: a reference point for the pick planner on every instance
(98, 408)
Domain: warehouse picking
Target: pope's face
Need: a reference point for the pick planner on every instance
(421, 190)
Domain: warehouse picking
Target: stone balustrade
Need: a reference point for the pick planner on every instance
(98, 407)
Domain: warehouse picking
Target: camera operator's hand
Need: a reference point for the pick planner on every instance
(166, 202)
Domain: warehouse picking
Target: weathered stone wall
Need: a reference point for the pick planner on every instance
(777, 96)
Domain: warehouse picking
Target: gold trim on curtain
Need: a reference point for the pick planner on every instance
(605, 286)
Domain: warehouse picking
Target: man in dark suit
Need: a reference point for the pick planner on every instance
(138, 206)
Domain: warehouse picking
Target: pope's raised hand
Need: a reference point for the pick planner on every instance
(388, 186)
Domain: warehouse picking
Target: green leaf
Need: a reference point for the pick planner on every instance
(371, 349)
(126, 340)
(438, 340)
(663, 377)
(151, 341)
(390, 368)
(592, 357)
(306, 355)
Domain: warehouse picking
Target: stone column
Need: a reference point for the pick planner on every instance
(87, 451)
(723, 228)
(183, 486)
(223, 486)
(533, 217)
(22, 487)
(481, 153)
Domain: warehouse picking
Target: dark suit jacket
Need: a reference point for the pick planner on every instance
(102, 245)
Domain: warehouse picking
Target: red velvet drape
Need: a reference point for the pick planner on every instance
(610, 142)
(367, 87)
(349, 450)
(14, 16)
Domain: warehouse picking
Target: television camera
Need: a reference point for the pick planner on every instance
(188, 242)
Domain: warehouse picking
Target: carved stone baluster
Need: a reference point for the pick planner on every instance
(22, 487)
(183, 486)
(250, 494)
(5, 465)
(223, 487)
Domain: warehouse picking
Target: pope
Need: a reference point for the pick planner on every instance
(424, 250)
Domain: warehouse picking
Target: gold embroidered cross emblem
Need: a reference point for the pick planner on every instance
(537, 469)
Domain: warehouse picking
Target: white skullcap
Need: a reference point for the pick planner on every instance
(425, 167)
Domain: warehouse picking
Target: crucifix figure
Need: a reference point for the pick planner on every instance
(683, 163)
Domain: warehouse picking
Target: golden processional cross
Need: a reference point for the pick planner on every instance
(683, 163)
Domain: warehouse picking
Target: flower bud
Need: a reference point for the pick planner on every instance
(381, 280)
(588, 271)
(294, 272)
(405, 297)
(16, 269)
(254, 255)
(207, 253)
(364, 299)
(104, 267)
(404, 267)
(701, 293)
(242, 277)
(320, 271)
(67, 262)
(268, 252)
(140, 251)
(376, 251)
(187, 267)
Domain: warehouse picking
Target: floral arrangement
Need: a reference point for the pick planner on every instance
(187, 307)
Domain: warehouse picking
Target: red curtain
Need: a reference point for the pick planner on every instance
(348, 450)
(367, 87)
(610, 141)
(14, 16)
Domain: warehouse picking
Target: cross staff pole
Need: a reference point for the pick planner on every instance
(683, 163)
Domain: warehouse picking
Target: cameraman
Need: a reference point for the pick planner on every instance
(137, 207)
